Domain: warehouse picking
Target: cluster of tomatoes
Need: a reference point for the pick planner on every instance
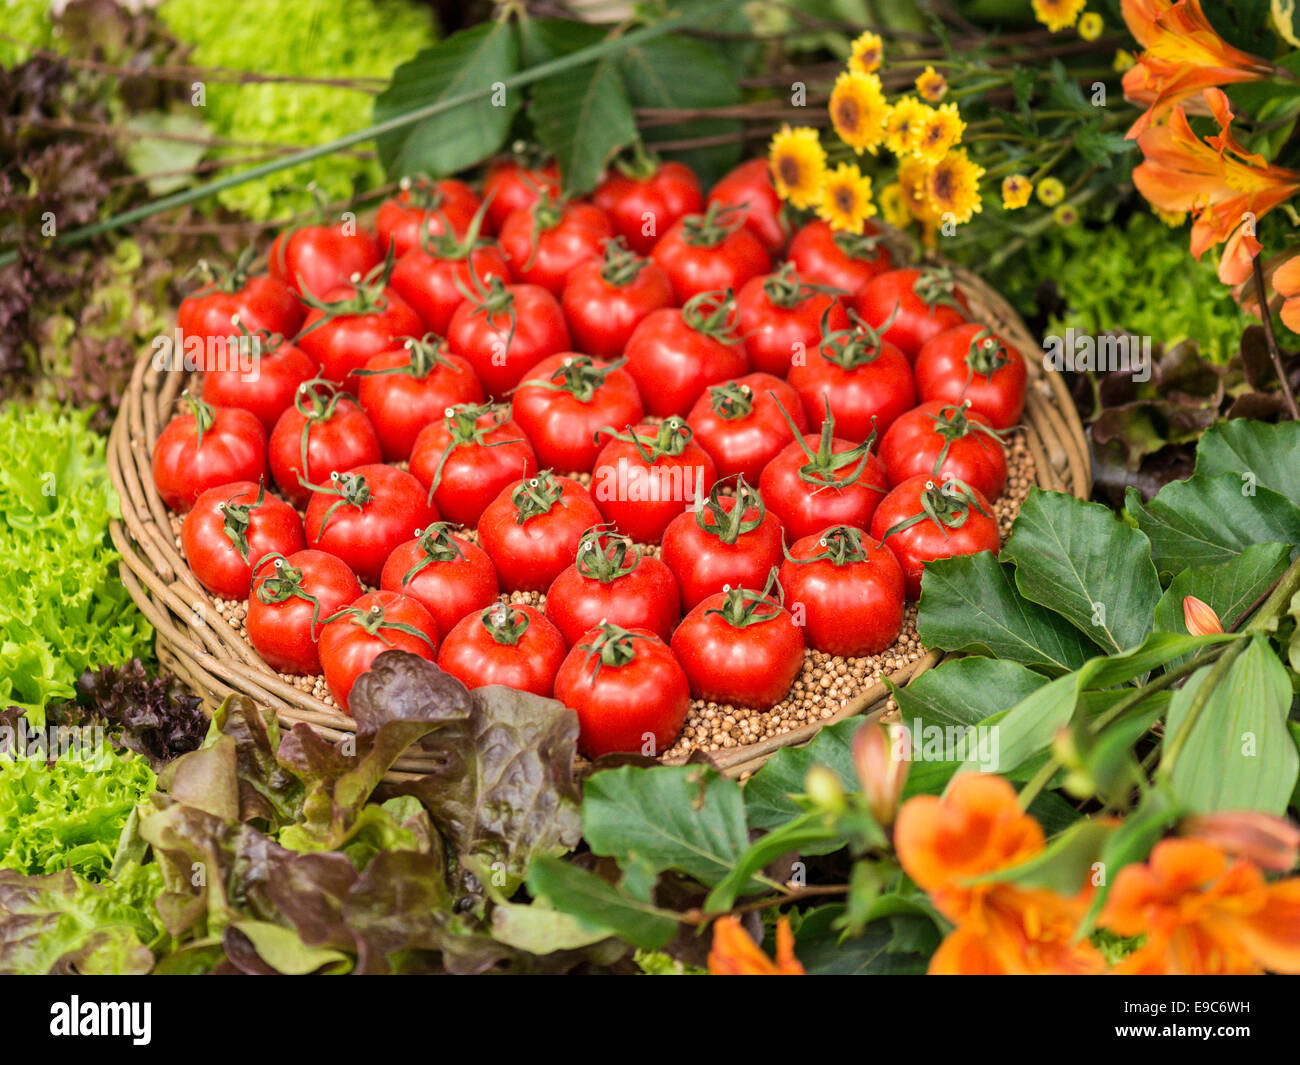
(798, 424)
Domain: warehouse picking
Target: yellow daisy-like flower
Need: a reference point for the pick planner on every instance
(1123, 61)
(1058, 14)
(1173, 219)
(913, 177)
(798, 163)
(902, 124)
(1016, 190)
(893, 205)
(1050, 191)
(846, 198)
(866, 53)
(858, 110)
(939, 131)
(931, 85)
(1090, 25)
(954, 186)
(1065, 215)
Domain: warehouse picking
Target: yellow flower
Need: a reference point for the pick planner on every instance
(902, 125)
(1090, 26)
(866, 52)
(1016, 190)
(1123, 61)
(913, 177)
(1050, 191)
(1173, 219)
(1058, 14)
(931, 85)
(858, 110)
(846, 198)
(939, 131)
(893, 205)
(1065, 215)
(797, 161)
(954, 186)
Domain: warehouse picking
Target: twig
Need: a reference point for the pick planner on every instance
(1273, 353)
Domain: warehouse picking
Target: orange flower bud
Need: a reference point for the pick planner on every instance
(882, 757)
(1199, 618)
(1269, 842)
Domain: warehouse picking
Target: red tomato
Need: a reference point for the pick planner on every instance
(605, 300)
(708, 252)
(423, 206)
(565, 400)
(363, 515)
(730, 542)
(864, 381)
(324, 432)
(434, 276)
(403, 391)
(267, 391)
(783, 318)
(903, 523)
(674, 355)
(506, 330)
(648, 475)
(750, 187)
(739, 648)
(972, 364)
(206, 448)
(842, 260)
(946, 441)
(821, 481)
(612, 581)
(512, 184)
(544, 243)
(644, 201)
(739, 423)
(914, 305)
(230, 529)
(290, 601)
(313, 260)
(630, 693)
(449, 575)
(506, 644)
(258, 303)
(532, 530)
(468, 457)
(359, 633)
(848, 589)
(353, 324)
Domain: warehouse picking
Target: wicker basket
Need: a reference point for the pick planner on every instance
(196, 643)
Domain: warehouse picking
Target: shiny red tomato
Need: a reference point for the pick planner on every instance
(363, 515)
(314, 260)
(915, 305)
(972, 363)
(233, 299)
(290, 601)
(532, 530)
(905, 523)
(546, 242)
(206, 448)
(782, 319)
(646, 476)
(730, 542)
(645, 199)
(506, 330)
(611, 580)
(847, 589)
(605, 300)
(267, 390)
(842, 260)
(451, 576)
(359, 633)
(230, 529)
(739, 648)
(434, 277)
(325, 431)
(739, 423)
(566, 400)
(422, 206)
(405, 390)
(629, 691)
(865, 382)
(944, 441)
(750, 187)
(467, 458)
(353, 324)
(512, 184)
(674, 355)
(710, 252)
(505, 644)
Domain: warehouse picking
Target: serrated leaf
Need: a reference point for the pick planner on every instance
(767, 793)
(1270, 453)
(965, 691)
(598, 905)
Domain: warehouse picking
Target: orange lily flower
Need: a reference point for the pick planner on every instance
(1225, 187)
(734, 953)
(1182, 55)
(947, 844)
(1286, 282)
(1203, 915)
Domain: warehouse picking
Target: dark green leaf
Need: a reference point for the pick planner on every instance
(599, 906)
(1269, 453)
(1230, 588)
(767, 793)
(965, 691)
